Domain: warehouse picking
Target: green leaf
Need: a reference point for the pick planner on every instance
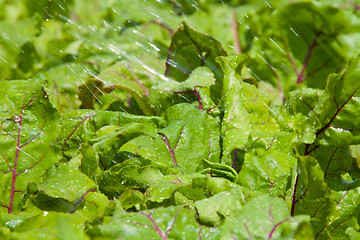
(66, 231)
(67, 185)
(302, 118)
(126, 13)
(186, 6)
(117, 76)
(265, 218)
(89, 161)
(62, 86)
(59, 9)
(215, 209)
(162, 136)
(339, 117)
(28, 132)
(189, 189)
(218, 170)
(303, 43)
(339, 167)
(312, 195)
(18, 55)
(246, 113)
(68, 182)
(166, 188)
(137, 174)
(131, 198)
(269, 172)
(105, 131)
(202, 187)
(348, 215)
(89, 12)
(107, 146)
(163, 223)
(50, 225)
(189, 136)
(352, 233)
(190, 49)
(219, 20)
(195, 88)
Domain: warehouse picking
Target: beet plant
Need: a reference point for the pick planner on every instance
(182, 119)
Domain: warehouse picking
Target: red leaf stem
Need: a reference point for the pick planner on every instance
(156, 227)
(248, 231)
(293, 201)
(196, 93)
(275, 226)
(7, 133)
(171, 150)
(82, 198)
(32, 139)
(72, 133)
(235, 30)
(173, 222)
(19, 121)
(13, 170)
(301, 76)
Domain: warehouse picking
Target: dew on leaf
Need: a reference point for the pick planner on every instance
(139, 34)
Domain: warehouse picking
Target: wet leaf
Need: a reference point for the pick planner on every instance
(173, 223)
(266, 218)
(304, 44)
(246, 114)
(190, 49)
(28, 132)
(135, 124)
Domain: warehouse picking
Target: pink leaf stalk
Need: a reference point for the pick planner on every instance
(19, 120)
(171, 150)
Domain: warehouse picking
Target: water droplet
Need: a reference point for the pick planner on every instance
(268, 4)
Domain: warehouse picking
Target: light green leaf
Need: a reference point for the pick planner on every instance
(223, 205)
(50, 225)
(67, 185)
(195, 88)
(246, 113)
(340, 116)
(265, 218)
(27, 140)
(164, 223)
(312, 195)
(117, 76)
(189, 136)
(131, 198)
(271, 171)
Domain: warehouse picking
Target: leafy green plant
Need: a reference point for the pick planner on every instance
(136, 123)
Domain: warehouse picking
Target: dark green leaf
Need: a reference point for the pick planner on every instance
(190, 49)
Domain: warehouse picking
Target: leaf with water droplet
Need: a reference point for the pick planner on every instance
(28, 131)
(266, 218)
(301, 43)
(222, 205)
(176, 222)
(246, 111)
(186, 54)
(68, 184)
(199, 131)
